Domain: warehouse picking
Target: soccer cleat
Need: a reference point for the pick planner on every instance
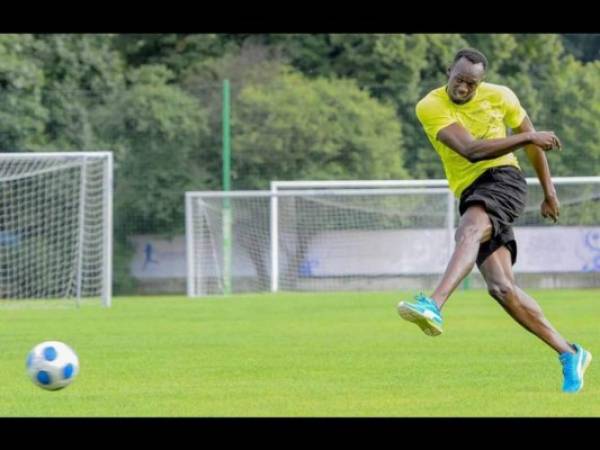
(424, 312)
(574, 366)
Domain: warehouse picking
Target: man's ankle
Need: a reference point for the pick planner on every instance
(439, 301)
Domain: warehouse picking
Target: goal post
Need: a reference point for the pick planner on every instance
(56, 225)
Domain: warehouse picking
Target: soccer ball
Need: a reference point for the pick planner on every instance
(52, 365)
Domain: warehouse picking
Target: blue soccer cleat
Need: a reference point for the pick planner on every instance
(424, 312)
(574, 366)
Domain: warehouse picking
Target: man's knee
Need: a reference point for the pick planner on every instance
(503, 290)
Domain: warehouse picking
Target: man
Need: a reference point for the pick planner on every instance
(466, 123)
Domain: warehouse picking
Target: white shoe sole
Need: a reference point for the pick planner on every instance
(588, 360)
(428, 327)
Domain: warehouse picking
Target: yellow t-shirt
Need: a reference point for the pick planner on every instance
(485, 116)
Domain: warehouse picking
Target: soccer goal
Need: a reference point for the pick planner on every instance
(56, 225)
(373, 235)
(316, 239)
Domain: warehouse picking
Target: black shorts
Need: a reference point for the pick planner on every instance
(502, 191)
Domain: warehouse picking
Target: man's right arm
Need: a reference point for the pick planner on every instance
(461, 141)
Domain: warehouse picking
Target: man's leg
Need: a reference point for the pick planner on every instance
(498, 274)
(473, 229)
(499, 277)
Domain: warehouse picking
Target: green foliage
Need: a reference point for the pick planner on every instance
(252, 65)
(22, 114)
(175, 51)
(573, 111)
(585, 47)
(286, 126)
(82, 73)
(294, 128)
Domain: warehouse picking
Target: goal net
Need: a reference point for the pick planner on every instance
(373, 235)
(56, 225)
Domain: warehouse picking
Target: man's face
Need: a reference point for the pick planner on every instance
(463, 79)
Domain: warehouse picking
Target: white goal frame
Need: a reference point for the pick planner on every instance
(106, 213)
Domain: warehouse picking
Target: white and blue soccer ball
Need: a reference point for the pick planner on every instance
(52, 365)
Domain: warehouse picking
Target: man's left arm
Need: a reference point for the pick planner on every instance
(550, 206)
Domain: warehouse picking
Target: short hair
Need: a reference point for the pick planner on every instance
(475, 56)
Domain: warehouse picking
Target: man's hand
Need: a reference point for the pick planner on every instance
(546, 140)
(551, 208)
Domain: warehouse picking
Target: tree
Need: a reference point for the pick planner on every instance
(176, 51)
(22, 113)
(574, 113)
(584, 47)
(252, 64)
(81, 73)
(295, 128)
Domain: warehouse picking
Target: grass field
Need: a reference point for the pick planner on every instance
(311, 355)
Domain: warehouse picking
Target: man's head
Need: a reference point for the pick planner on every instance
(465, 74)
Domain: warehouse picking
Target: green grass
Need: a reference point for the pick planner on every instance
(298, 355)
